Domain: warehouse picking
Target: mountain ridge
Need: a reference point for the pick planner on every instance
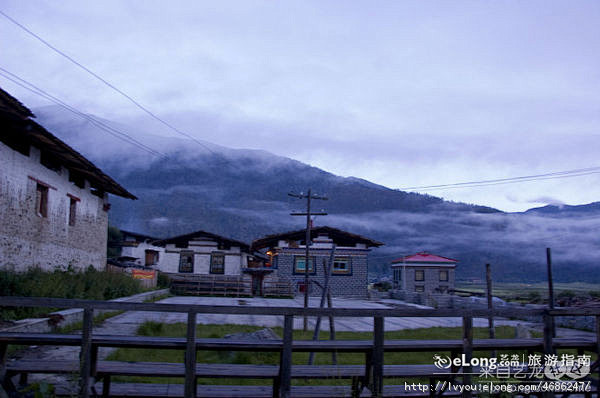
(242, 193)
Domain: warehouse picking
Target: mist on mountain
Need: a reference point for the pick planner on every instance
(242, 194)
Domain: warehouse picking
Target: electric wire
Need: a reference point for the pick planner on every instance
(107, 83)
(554, 175)
(509, 180)
(97, 123)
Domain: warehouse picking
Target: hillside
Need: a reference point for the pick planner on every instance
(242, 194)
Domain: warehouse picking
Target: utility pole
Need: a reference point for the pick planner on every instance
(309, 196)
(550, 287)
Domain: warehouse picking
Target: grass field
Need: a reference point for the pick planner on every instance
(521, 291)
(271, 358)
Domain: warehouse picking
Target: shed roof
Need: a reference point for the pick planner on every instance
(17, 124)
(340, 237)
(138, 236)
(424, 258)
(184, 239)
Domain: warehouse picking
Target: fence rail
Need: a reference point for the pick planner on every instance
(374, 350)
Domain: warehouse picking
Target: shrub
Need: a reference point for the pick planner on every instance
(63, 282)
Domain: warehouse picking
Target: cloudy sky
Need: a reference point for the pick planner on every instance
(402, 93)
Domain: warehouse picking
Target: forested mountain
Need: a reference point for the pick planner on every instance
(242, 194)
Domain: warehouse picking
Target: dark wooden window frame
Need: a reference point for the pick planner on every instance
(311, 265)
(189, 265)
(340, 259)
(215, 267)
(419, 272)
(447, 276)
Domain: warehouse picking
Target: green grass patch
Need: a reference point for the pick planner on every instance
(62, 283)
(272, 358)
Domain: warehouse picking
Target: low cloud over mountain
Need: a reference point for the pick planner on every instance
(242, 193)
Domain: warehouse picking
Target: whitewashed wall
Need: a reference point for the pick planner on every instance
(27, 239)
(235, 259)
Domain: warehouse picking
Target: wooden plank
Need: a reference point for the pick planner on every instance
(85, 355)
(210, 391)
(296, 311)
(377, 359)
(164, 369)
(190, 357)
(285, 367)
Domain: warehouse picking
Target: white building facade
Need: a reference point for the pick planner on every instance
(203, 253)
(53, 202)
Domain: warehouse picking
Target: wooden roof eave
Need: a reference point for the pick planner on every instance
(74, 160)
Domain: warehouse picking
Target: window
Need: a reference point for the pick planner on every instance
(76, 179)
(419, 288)
(397, 274)
(186, 261)
(72, 210)
(419, 275)
(217, 263)
(341, 265)
(151, 257)
(443, 276)
(300, 264)
(49, 161)
(41, 200)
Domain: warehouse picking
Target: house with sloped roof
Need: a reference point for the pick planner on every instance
(140, 248)
(203, 253)
(348, 271)
(424, 273)
(54, 202)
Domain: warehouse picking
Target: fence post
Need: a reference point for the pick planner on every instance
(190, 356)
(85, 355)
(377, 356)
(468, 352)
(548, 345)
(598, 350)
(285, 367)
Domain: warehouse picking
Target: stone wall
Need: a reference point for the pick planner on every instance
(28, 239)
(353, 284)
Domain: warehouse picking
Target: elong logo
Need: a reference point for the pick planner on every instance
(445, 362)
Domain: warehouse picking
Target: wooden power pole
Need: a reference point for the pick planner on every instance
(550, 287)
(309, 196)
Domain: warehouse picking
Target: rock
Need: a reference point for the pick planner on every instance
(522, 332)
(263, 334)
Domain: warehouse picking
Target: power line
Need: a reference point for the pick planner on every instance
(98, 123)
(107, 83)
(510, 180)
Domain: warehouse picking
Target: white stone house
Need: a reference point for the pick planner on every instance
(141, 249)
(424, 273)
(53, 201)
(203, 253)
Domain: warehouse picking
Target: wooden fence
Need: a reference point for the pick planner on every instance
(371, 376)
(225, 285)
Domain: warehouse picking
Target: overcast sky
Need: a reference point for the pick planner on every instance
(402, 93)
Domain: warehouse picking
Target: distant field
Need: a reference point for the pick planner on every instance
(508, 291)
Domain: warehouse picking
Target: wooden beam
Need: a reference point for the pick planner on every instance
(378, 338)
(190, 356)
(85, 355)
(10, 301)
(285, 367)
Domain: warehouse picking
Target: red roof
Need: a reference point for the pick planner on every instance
(424, 257)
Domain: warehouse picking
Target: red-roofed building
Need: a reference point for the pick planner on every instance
(424, 273)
